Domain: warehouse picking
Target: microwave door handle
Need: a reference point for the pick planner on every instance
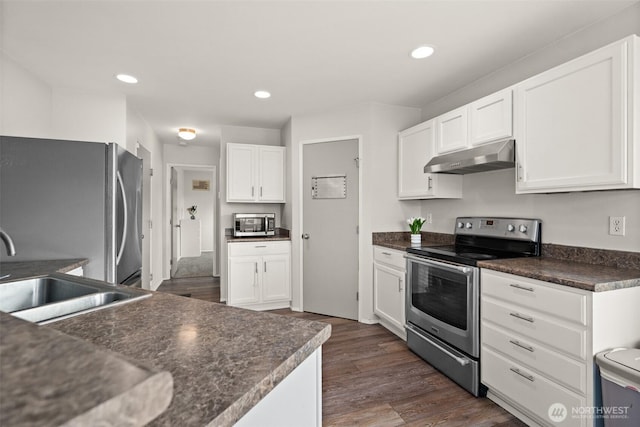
(442, 265)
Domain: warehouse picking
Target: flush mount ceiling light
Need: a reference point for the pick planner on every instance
(126, 78)
(422, 52)
(186, 134)
(262, 94)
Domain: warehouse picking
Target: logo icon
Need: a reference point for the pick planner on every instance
(557, 412)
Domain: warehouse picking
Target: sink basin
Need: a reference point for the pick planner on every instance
(30, 293)
(58, 296)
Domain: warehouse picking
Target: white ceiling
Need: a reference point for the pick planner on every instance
(199, 62)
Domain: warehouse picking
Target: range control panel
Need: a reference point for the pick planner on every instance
(509, 228)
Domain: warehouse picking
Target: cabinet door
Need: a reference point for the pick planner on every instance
(276, 284)
(415, 149)
(452, 130)
(271, 172)
(244, 280)
(388, 294)
(241, 163)
(571, 125)
(491, 118)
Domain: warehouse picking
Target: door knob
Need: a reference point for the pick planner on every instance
(305, 236)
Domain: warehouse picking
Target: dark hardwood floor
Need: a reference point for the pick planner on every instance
(204, 288)
(371, 378)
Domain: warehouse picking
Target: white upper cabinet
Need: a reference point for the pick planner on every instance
(491, 118)
(415, 149)
(271, 174)
(452, 130)
(255, 173)
(576, 124)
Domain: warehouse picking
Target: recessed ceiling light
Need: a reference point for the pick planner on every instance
(422, 52)
(126, 78)
(262, 94)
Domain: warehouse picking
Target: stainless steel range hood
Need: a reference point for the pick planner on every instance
(496, 155)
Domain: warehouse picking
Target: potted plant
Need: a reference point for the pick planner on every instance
(415, 224)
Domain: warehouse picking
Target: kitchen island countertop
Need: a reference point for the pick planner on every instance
(50, 378)
(222, 360)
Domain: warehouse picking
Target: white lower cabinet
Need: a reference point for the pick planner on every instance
(259, 275)
(539, 340)
(389, 289)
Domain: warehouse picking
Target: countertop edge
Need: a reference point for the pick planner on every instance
(559, 280)
(139, 405)
(244, 404)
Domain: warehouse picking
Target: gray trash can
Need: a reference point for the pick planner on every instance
(620, 379)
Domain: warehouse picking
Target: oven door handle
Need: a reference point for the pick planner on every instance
(461, 360)
(443, 265)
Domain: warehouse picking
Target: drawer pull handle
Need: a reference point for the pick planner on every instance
(517, 371)
(519, 344)
(522, 317)
(263, 246)
(386, 253)
(524, 288)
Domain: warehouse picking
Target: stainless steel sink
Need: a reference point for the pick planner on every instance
(58, 296)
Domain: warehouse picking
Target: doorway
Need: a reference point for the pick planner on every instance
(330, 215)
(193, 221)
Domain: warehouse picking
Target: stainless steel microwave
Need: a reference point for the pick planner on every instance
(258, 224)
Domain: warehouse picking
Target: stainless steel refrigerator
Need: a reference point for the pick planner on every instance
(73, 199)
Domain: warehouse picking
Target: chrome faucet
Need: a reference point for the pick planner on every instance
(8, 243)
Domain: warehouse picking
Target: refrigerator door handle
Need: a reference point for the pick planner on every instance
(125, 216)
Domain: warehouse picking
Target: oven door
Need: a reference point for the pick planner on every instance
(443, 300)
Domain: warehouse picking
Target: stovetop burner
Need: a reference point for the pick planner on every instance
(480, 239)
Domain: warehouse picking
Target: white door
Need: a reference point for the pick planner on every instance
(241, 160)
(271, 160)
(145, 155)
(175, 222)
(388, 294)
(330, 229)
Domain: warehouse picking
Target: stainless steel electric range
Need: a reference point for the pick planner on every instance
(443, 292)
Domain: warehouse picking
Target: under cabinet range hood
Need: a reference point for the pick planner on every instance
(496, 155)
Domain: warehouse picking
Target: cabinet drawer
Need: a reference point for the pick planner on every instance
(259, 248)
(535, 294)
(569, 373)
(528, 390)
(537, 326)
(390, 257)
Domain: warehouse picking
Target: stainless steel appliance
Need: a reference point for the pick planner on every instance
(73, 199)
(254, 224)
(488, 157)
(443, 292)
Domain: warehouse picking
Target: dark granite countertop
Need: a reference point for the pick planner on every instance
(402, 240)
(590, 277)
(49, 378)
(223, 359)
(24, 269)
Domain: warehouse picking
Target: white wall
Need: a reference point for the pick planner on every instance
(378, 126)
(31, 108)
(575, 219)
(139, 132)
(177, 155)
(25, 102)
(204, 200)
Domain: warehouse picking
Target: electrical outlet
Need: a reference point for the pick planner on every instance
(616, 225)
(429, 218)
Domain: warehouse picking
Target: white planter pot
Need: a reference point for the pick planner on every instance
(416, 239)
